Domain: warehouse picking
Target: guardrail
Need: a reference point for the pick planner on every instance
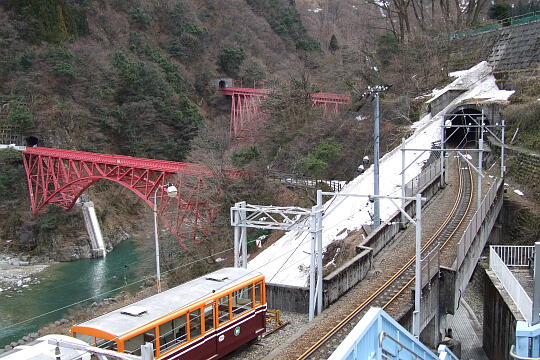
(515, 255)
(426, 176)
(514, 20)
(296, 180)
(476, 221)
(378, 336)
(510, 283)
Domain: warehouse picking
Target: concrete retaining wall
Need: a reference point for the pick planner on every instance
(499, 330)
(518, 162)
(287, 298)
(506, 49)
(345, 277)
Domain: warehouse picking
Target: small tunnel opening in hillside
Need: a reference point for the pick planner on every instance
(461, 129)
(31, 141)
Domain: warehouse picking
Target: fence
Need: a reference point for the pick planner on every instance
(510, 283)
(476, 222)
(299, 181)
(514, 20)
(515, 255)
(426, 176)
(430, 265)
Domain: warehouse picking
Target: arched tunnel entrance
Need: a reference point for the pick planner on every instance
(460, 127)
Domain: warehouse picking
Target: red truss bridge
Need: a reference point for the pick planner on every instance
(246, 113)
(59, 177)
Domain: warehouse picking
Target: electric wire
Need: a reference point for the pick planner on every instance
(133, 283)
(200, 298)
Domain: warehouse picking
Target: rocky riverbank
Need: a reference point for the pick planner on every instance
(19, 271)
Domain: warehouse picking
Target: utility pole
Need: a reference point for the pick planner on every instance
(374, 92)
(376, 148)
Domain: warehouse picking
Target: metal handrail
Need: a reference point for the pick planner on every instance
(383, 335)
(497, 24)
(519, 357)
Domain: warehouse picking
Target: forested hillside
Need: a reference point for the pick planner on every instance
(135, 78)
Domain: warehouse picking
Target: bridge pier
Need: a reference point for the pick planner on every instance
(93, 228)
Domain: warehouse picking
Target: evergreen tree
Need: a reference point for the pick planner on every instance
(333, 46)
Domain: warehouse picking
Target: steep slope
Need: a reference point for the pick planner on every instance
(123, 77)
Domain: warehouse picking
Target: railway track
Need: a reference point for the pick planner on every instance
(404, 278)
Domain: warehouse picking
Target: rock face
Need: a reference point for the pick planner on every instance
(81, 249)
(71, 253)
(26, 237)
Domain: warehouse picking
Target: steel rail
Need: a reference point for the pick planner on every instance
(440, 229)
(400, 272)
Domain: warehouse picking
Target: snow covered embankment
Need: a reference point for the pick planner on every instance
(287, 261)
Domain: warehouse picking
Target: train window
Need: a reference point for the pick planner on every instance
(86, 338)
(209, 317)
(172, 333)
(242, 300)
(194, 323)
(258, 293)
(223, 310)
(106, 344)
(133, 345)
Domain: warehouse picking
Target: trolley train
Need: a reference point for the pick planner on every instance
(205, 318)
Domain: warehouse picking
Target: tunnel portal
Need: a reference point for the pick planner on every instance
(458, 136)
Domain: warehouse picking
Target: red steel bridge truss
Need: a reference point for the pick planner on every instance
(59, 177)
(246, 115)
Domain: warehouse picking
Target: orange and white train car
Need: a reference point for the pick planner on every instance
(205, 318)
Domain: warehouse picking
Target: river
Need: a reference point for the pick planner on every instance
(67, 283)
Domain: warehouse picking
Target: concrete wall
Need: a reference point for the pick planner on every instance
(287, 298)
(430, 319)
(506, 49)
(500, 316)
(518, 162)
(346, 276)
(438, 104)
(525, 163)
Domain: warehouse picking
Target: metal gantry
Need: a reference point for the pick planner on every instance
(483, 127)
(418, 243)
(289, 218)
(284, 218)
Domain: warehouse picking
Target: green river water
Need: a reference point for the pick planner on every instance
(63, 284)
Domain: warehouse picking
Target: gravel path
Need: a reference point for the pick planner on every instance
(263, 347)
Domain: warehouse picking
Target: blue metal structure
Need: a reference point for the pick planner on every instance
(527, 340)
(377, 336)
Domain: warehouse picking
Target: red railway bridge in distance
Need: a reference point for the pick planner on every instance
(246, 115)
(59, 177)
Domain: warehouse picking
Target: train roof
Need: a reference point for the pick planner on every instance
(40, 349)
(118, 323)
